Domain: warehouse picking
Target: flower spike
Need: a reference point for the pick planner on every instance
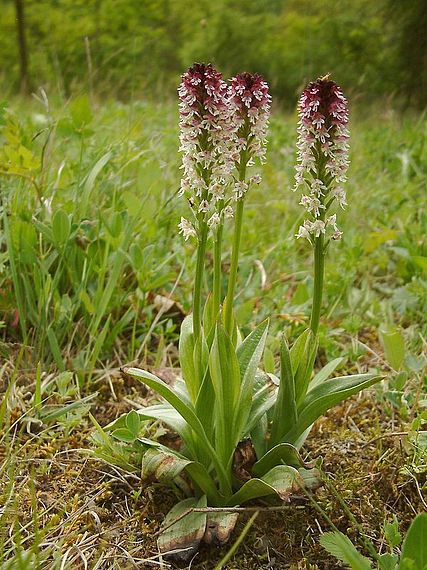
(205, 134)
(250, 103)
(322, 154)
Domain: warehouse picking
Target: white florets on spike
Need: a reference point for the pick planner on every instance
(322, 157)
(205, 133)
(250, 103)
(186, 228)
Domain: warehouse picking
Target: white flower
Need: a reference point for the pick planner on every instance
(184, 186)
(312, 204)
(340, 195)
(217, 191)
(240, 188)
(303, 232)
(318, 187)
(228, 212)
(186, 229)
(204, 206)
(214, 221)
(255, 179)
(332, 221)
(317, 228)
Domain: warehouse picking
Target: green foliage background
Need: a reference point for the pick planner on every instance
(139, 47)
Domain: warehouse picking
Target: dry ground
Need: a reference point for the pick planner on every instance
(87, 514)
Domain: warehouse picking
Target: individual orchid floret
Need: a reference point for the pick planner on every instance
(205, 134)
(250, 102)
(228, 212)
(256, 179)
(322, 158)
(214, 221)
(186, 228)
(239, 189)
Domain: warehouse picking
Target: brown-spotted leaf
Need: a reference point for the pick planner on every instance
(181, 539)
(219, 527)
(163, 467)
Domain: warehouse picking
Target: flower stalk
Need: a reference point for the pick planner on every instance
(319, 271)
(198, 281)
(217, 270)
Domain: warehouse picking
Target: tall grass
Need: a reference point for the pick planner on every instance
(88, 232)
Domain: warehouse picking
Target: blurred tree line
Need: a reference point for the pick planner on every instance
(128, 48)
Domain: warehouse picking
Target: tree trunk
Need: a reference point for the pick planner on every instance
(22, 47)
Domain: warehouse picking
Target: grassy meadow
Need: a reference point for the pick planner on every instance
(93, 276)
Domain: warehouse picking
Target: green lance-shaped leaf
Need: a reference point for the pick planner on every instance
(325, 372)
(165, 465)
(297, 350)
(51, 413)
(324, 396)
(392, 534)
(209, 319)
(285, 410)
(182, 538)
(163, 412)
(249, 354)
(225, 374)
(388, 561)
(205, 404)
(264, 397)
(282, 454)
(188, 414)
(263, 408)
(186, 356)
(89, 182)
(342, 548)
(303, 373)
(258, 436)
(282, 480)
(263, 389)
(201, 360)
(414, 549)
(124, 434)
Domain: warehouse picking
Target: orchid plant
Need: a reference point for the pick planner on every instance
(224, 404)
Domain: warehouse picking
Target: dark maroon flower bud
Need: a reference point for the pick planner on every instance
(250, 102)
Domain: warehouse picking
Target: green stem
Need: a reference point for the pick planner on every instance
(217, 271)
(319, 270)
(198, 282)
(228, 309)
